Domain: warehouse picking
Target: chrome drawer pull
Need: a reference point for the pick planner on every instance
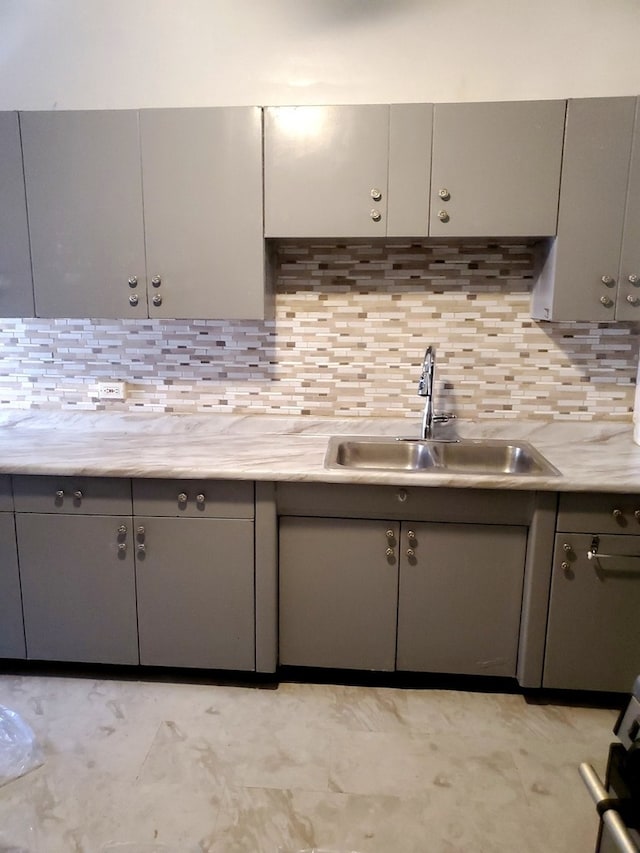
(623, 841)
(594, 554)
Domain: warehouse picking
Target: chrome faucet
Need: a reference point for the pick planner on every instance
(426, 390)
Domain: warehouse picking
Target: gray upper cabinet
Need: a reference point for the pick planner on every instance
(16, 288)
(202, 188)
(583, 276)
(326, 171)
(410, 131)
(496, 168)
(82, 173)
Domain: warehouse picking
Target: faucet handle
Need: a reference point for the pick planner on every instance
(444, 417)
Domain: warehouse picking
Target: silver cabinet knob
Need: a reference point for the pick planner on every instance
(376, 195)
(607, 279)
(634, 279)
(157, 300)
(606, 301)
(617, 513)
(565, 566)
(444, 194)
(182, 498)
(443, 216)
(77, 495)
(140, 530)
(141, 548)
(156, 281)
(566, 547)
(122, 529)
(402, 495)
(60, 494)
(411, 534)
(632, 300)
(389, 552)
(133, 281)
(200, 499)
(133, 300)
(410, 553)
(122, 546)
(376, 215)
(389, 534)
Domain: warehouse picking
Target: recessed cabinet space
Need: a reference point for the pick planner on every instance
(16, 286)
(401, 592)
(194, 546)
(11, 624)
(352, 171)
(77, 569)
(591, 271)
(496, 169)
(183, 186)
(593, 631)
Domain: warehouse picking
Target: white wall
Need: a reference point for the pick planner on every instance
(78, 54)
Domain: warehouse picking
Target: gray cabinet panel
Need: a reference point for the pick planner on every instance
(593, 635)
(338, 593)
(78, 588)
(593, 192)
(460, 597)
(321, 165)
(194, 498)
(410, 130)
(599, 513)
(16, 287)
(84, 197)
(77, 495)
(11, 625)
(6, 494)
(628, 303)
(202, 186)
(195, 584)
(500, 165)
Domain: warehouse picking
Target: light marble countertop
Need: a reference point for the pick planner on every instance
(589, 456)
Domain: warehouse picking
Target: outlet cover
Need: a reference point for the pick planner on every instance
(112, 390)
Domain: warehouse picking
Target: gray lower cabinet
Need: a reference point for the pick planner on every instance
(16, 286)
(451, 594)
(195, 573)
(338, 593)
(591, 271)
(460, 598)
(593, 632)
(11, 624)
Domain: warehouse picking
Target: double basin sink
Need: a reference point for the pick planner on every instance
(466, 456)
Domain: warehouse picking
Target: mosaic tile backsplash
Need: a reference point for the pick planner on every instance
(352, 323)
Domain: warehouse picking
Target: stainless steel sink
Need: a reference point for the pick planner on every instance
(467, 456)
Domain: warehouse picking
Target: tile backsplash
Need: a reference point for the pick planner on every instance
(352, 323)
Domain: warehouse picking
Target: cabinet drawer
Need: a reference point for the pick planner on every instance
(79, 495)
(408, 504)
(6, 500)
(194, 498)
(599, 513)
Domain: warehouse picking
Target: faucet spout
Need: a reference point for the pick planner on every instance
(426, 387)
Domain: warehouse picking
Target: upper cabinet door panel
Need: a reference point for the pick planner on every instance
(628, 307)
(496, 168)
(326, 171)
(16, 288)
(202, 187)
(410, 131)
(82, 173)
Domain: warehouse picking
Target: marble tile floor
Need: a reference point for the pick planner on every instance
(222, 768)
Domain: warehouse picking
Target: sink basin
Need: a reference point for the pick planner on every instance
(467, 456)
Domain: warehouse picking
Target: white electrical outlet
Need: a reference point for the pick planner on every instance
(112, 390)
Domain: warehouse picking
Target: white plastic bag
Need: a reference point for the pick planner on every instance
(19, 751)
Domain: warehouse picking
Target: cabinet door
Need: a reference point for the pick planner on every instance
(338, 593)
(593, 633)
(16, 288)
(82, 173)
(195, 582)
(78, 588)
(496, 168)
(580, 277)
(202, 186)
(628, 303)
(460, 598)
(324, 168)
(11, 626)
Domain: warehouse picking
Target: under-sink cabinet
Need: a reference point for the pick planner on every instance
(11, 624)
(194, 544)
(77, 569)
(593, 634)
(402, 579)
